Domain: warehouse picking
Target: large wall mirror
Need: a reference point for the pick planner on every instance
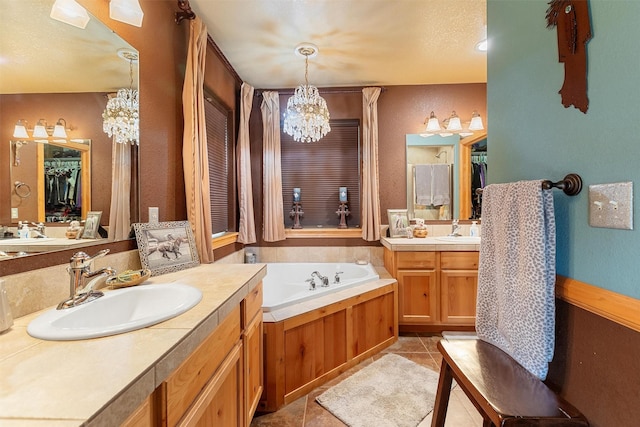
(50, 71)
(432, 177)
(441, 175)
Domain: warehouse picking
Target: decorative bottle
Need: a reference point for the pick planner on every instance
(474, 231)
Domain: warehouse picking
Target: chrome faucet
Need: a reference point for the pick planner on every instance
(39, 230)
(79, 268)
(455, 228)
(323, 279)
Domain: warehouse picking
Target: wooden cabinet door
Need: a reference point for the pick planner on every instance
(458, 296)
(144, 416)
(253, 380)
(220, 402)
(417, 296)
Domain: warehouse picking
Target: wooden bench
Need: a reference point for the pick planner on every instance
(502, 390)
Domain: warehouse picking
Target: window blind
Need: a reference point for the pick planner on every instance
(319, 169)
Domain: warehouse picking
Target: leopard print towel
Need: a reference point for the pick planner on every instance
(516, 277)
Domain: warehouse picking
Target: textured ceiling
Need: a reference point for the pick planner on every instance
(361, 42)
(42, 55)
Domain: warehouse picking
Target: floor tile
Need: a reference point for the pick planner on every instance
(420, 348)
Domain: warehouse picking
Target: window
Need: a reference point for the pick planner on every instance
(221, 170)
(319, 169)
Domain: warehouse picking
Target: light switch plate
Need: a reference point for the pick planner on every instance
(611, 205)
(14, 213)
(153, 215)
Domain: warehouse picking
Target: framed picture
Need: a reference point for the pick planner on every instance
(165, 247)
(398, 222)
(91, 225)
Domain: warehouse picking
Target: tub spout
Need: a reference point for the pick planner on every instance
(324, 279)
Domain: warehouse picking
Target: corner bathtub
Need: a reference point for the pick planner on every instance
(286, 283)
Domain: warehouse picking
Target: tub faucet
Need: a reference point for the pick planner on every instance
(79, 268)
(336, 279)
(455, 228)
(324, 279)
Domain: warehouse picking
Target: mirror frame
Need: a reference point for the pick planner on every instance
(464, 180)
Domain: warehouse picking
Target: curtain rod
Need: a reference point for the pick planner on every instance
(329, 90)
(186, 13)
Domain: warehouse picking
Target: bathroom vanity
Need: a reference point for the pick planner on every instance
(203, 367)
(437, 282)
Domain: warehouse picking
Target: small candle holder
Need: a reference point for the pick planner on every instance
(343, 212)
(296, 213)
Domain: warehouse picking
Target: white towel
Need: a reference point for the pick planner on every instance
(516, 276)
(440, 185)
(423, 184)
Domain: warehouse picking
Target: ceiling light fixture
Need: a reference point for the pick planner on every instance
(307, 116)
(453, 125)
(121, 116)
(70, 12)
(127, 11)
(482, 45)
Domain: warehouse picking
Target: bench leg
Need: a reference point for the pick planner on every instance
(442, 396)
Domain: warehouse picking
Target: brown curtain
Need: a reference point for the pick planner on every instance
(273, 216)
(247, 225)
(120, 211)
(194, 148)
(370, 181)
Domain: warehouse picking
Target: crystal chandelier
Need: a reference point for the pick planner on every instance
(307, 116)
(121, 116)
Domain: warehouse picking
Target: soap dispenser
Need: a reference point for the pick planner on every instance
(23, 231)
(474, 230)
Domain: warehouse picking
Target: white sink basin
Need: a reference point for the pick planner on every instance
(118, 311)
(459, 239)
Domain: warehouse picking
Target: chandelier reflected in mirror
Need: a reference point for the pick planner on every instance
(121, 117)
(307, 116)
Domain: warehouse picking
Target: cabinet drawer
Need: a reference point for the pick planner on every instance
(416, 260)
(459, 260)
(251, 305)
(188, 380)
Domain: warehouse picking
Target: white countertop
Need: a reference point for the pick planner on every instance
(43, 244)
(427, 244)
(101, 381)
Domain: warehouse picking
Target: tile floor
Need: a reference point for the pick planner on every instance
(305, 412)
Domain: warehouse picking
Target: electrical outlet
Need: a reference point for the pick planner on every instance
(14, 213)
(611, 205)
(153, 215)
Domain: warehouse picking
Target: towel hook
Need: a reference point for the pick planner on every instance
(571, 184)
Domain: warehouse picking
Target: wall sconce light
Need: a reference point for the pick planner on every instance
(127, 11)
(453, 125)
(70, 12)
(20, 130)
(41, 130)
(59, 130)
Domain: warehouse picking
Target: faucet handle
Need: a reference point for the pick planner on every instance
(454, 222)
(81, 259)
(312, 284)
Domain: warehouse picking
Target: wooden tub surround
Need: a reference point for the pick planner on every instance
(310, 343)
